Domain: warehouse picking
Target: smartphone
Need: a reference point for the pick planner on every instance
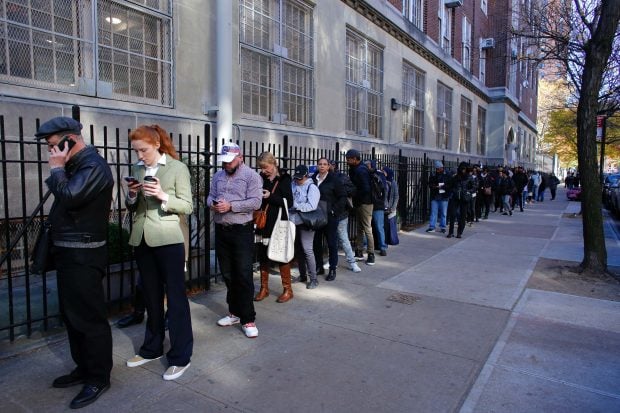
(61, 144)
(130, 180)
(150, 178)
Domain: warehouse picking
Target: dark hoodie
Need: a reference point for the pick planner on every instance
(462, 183)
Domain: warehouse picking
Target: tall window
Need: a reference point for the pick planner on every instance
(413, 10)
(126, 54)
(444, 115)
(444, 15)
(364, 86)
(277, 73)
(414, 86)
(481, 141)
(483, 6)
(466, 44)
(465, 135)
(482, 69)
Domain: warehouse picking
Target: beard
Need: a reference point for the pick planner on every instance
(231, 171)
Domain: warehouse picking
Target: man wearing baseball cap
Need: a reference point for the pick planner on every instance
(236, 192)
(82, 183)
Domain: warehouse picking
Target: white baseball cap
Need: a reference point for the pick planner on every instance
(229, 152)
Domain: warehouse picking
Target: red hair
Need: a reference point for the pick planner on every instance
(153, 135)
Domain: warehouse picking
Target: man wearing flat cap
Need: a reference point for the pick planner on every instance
(81, 182)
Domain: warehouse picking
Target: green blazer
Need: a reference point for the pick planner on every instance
(159, 227)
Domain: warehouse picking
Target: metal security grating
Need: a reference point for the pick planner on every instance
(403, 298)
(51, 44)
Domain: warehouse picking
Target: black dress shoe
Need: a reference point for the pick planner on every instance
(89, 393)
(320, 271)
(131, 319)
(459, 236)
(331, 276)
(450, 236)
(68, 380)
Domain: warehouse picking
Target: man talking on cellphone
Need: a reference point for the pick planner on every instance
(81, 182)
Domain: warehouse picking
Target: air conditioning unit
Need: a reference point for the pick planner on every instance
(453, 3)
(487, 43)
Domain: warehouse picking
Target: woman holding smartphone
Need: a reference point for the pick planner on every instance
(160, 197)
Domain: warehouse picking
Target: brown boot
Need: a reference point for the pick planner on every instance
(264, 283)
(285, 273)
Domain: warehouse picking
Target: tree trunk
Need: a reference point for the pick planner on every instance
(597, 51)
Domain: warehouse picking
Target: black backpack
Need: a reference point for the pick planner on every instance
(377, 188)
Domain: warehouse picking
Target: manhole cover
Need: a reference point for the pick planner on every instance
(403, 298)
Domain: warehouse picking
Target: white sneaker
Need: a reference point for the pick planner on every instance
(229, 320)
(354, 267)
(250, 330)
(137, 360)
(326, 266)
(174, 372)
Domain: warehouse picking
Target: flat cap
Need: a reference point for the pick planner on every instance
(57, 126)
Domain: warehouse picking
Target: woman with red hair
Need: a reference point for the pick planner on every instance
(160, 196)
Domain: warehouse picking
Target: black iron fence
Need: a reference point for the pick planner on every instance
(28, 302)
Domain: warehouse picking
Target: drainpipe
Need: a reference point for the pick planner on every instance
(224, 63)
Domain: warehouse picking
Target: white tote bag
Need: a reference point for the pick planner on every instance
(281, 246)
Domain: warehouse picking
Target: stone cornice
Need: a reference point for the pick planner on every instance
(377, 18)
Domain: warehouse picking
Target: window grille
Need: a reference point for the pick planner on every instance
(413, 105)
(364, 86)
(481, 143)
(277, 73)
(50, 44)
(444, 115)
(465, 136)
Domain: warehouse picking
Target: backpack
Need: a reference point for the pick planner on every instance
(348, 184)
(377, 188)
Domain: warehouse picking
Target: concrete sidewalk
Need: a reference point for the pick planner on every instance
(439, 325)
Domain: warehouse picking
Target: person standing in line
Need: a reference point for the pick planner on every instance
(333, 193)
(486, 187)
(82, 183)
(362, 202)
(306, 196)
(236, 192)
(438, 184)
(159, 197)
(378, 194)
(276, 189)
(506, 188)
(343, 219)
(461, 186)
(535, 185)
(553, 185)
(542, 188)
(520, 180)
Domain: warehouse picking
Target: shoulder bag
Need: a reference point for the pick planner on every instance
(317, 218)
(260, 215)
(281, 246)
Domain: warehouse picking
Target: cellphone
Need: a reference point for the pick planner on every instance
(130, 179)
(150, 178)
(61, 144)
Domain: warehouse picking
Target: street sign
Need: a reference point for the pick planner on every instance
(600, 121)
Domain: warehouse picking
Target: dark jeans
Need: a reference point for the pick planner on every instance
(330, 231)
(486, 205)
(162, 270)
(553, 190)
(83, 310)
(457, 208)
(234, 246)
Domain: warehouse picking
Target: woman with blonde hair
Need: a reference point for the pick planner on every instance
(160, 196)
(276, 188)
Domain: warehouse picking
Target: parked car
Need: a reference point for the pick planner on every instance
(614, 201)
(609, 183)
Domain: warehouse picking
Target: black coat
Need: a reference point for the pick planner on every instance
(333, 192)
(275, 201)
(360, 175)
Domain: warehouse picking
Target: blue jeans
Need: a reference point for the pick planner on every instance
(441, 207)
(378, 220)
(343, 237)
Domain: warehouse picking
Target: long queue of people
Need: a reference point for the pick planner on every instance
(468, 195)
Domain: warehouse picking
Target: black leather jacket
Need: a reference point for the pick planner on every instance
(82, 198)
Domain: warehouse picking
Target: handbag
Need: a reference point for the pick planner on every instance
(41, 259)
(260, 215)
(315, 219)
(391, 230)
(281, 246)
